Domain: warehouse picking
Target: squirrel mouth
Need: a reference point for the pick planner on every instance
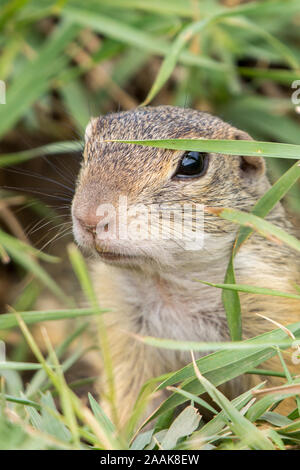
(116, 257)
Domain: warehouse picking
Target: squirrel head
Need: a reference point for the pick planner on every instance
(137, 205)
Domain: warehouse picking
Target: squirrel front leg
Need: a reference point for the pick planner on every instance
(133, 364)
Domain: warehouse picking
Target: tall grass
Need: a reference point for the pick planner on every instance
(64, 61)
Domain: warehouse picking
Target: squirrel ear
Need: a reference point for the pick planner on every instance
(251, 166)
(90, 128)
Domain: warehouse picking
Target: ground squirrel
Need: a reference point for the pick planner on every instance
(149, 285)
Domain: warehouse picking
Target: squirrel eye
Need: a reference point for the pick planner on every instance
(192, 165)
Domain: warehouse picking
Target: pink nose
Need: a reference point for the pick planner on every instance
(88, 221)
(91, 223)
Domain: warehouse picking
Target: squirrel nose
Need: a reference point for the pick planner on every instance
(91, 222)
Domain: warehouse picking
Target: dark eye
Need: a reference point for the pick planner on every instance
(192, 165)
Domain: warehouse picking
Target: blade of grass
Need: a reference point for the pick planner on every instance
(34, 79)
(227, 147)
(242, 427)
(65, 394)
(193, 398)
(186, 35)
(226, 358)
(252, 290)
(268, 201)
(70, 400)
(7, 159)
(131, 35)
(212, 429)
(30, 264)
(8, 320)
(83, 276)
(183, 425)
(265, 204)
(221, 366)
(267, 372)
(171, 58)
(284, 51)
(283, 390)
(106, 424)
(39, 377)
(178, 345)
(263, 227)
(189, 31)
(167, 7)
(286, 77)
(232, 305)
(262, 405)
(11, 242)
(11, 365)
(22, 401)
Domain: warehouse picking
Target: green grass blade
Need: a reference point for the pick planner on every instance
(285, 77)
(37, 381)
(193, 398)
(183, 425)
(82, 274)
(8, 159)
(10, 242)
(263, 227)
(222, 366)
(262, 405)
(76, 102)
(85, 281)
(270, 199)
(34, 79)
(101, 417)
(31, 265)
(8, 320)
(227, 147)
(170, 60)
(11, 365)
(242, 427)
(206, 346)
(232, 305)
(218, 422)
(265, 204)
(131, 35)
(21, 401)
(252, 290)
(167, 7)
(284, 51)
(189, 31)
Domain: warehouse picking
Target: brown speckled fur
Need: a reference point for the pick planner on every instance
(158, 296)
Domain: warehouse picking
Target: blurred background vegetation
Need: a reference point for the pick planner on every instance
(65, 61)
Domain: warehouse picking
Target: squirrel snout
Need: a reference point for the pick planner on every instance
(89, 226)
(92, 223)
